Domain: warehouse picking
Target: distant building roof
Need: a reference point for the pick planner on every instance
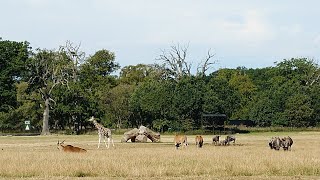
(214, 115)
(213, 120)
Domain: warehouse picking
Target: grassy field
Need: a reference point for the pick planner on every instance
(37, 157)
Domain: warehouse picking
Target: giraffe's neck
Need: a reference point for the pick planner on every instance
(97, 125)
(102, 130)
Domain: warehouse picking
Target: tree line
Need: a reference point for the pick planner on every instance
(56, 89)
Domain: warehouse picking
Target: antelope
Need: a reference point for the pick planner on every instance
(69, 148)
(230, 138)
(287, 143)
(199, 141)
(276, 143)
(215, 140)
(180, 140)
(223, 142)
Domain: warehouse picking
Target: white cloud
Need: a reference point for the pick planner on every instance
(197, 27)
(253, 28)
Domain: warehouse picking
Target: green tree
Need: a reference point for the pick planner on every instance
(29, 108)
(102, 63)
(152, 100)
(116, 104)
(220, 97)
(299, 111)
(13, 57)
(188, 100)
(95, 73)
(135, 74)
(96, 81)
(69, 109)
(244, 86)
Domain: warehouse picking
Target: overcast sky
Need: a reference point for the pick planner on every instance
(246, 33)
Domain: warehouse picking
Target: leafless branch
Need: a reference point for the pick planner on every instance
(73, 53)
(175, 59)
(206, 64)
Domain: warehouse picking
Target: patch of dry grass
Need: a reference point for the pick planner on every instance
(38, 157)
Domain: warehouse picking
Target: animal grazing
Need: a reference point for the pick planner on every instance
(215, 140)
(69, 148)
(103, 133)
(271, 143)
(287, 143)
(223, 142)
(199, 141)
(275, 143)
(230, 138)
(180, 140)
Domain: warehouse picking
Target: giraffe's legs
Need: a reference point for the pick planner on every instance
(112, 142)
(108, 142)
(104, 138)
(99, 141)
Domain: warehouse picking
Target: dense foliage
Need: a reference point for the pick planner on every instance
(287, 94)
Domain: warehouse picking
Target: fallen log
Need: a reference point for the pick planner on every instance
(141, 138)
(141, 135)
(130, 135)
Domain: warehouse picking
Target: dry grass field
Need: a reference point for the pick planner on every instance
(250, 158)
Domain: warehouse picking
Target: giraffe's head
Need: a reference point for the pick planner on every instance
(91, 119)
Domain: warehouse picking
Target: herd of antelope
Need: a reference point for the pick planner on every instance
(276, 143)
(181, 140)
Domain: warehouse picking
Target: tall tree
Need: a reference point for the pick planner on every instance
(116, 104)
(96, 80)
(73, 105)
(152, 100)
(13, 56)
(48, 69)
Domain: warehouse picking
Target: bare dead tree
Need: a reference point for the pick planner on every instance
(205, 65)
(47, 70)
(175, 60)
(75, 55)
(177, 65)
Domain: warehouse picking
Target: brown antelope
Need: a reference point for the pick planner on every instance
(199, 141)
(69, 148)
(180, 140)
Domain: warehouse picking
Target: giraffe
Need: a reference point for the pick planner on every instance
(103, 133)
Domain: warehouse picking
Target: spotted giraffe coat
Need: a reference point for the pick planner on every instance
(103, 132)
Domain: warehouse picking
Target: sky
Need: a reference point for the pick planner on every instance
(249, 33)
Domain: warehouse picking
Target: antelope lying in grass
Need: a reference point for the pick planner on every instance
(69, 148)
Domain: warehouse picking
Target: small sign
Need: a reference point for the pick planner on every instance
(27, 127)
(26, 122)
